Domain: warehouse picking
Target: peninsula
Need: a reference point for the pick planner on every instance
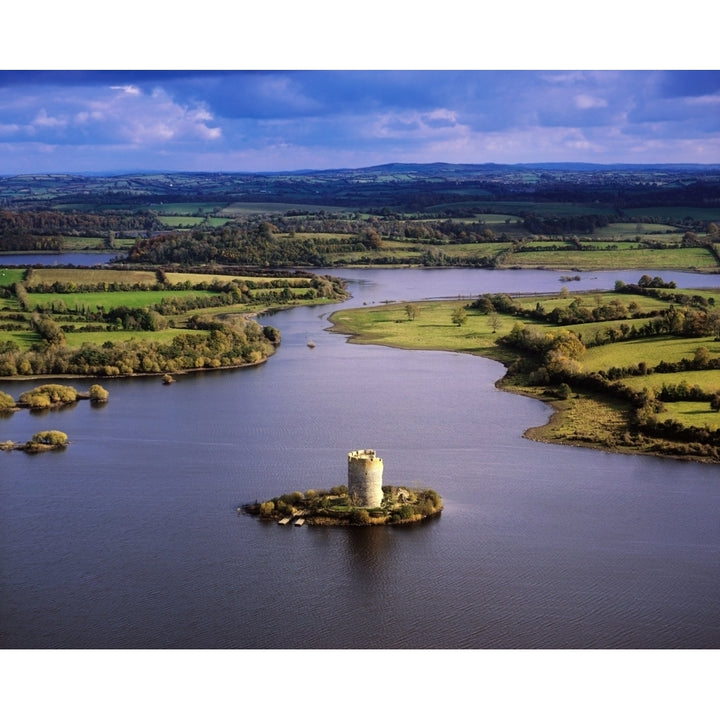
(633, 370)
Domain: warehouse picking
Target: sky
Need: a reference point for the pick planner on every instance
(319, 85)
(115, 120)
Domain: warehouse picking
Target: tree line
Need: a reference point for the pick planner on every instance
(226, 345)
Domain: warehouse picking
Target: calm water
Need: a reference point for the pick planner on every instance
(50, 259)
(130, 538)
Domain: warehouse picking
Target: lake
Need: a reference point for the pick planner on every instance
(130, 538)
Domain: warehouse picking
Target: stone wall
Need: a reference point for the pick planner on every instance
(365, 471)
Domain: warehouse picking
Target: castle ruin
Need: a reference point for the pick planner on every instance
(365, 471)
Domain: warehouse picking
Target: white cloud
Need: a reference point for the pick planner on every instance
(127, 89)
(123, 114)
(42, 119)
(9, 129)
(704, 100)
(418, 125)
(587, 102)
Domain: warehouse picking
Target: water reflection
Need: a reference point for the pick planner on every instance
(368, 551)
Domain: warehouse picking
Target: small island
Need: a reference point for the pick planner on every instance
(49, 396)
(363, 501)
(41, 442)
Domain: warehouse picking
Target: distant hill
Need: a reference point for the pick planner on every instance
(408, 186)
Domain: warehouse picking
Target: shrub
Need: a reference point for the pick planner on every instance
(98, 394)
(50, 437)
(359, 516)
(36, 402)
(45, 395)
(405, 512)
(6, 401)
(267, 508)
(564, 391)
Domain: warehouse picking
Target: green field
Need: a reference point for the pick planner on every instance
(649, 350)
(78, 339)
(563, 299)
(102, 333)
(177, 278)
(90, 276)
(470, 250)
(670, 259)
(109, 300)
(708, 380)
(432, 328)
(10, 276)
(180, 221)
(696, 414)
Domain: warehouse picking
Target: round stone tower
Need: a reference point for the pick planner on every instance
(365, 471)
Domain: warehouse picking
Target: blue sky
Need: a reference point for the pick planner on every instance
(84, 121)
(363, 101)
(53, 121)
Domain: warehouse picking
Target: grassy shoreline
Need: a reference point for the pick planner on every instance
(583, 418)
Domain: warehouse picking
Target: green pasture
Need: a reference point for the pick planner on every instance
(181, 221)
(109, 300)
(558, 245)
(409, 252)
(10, 276)
(77, 244)
(651, 350)
(708, 380)
(593, 245)
(631, 229)
(695, 414)
(90, 276)
(77, 339)
(177, 278)
(498, 219)
(471, 250)
(591, 300)
(588, 260)
(700, 292)
(25, 339)
(474, 217)
(432, 328)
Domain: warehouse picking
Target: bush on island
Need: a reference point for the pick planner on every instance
(98, 394)
(50, 437)
(6, 402)
(46, 395)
